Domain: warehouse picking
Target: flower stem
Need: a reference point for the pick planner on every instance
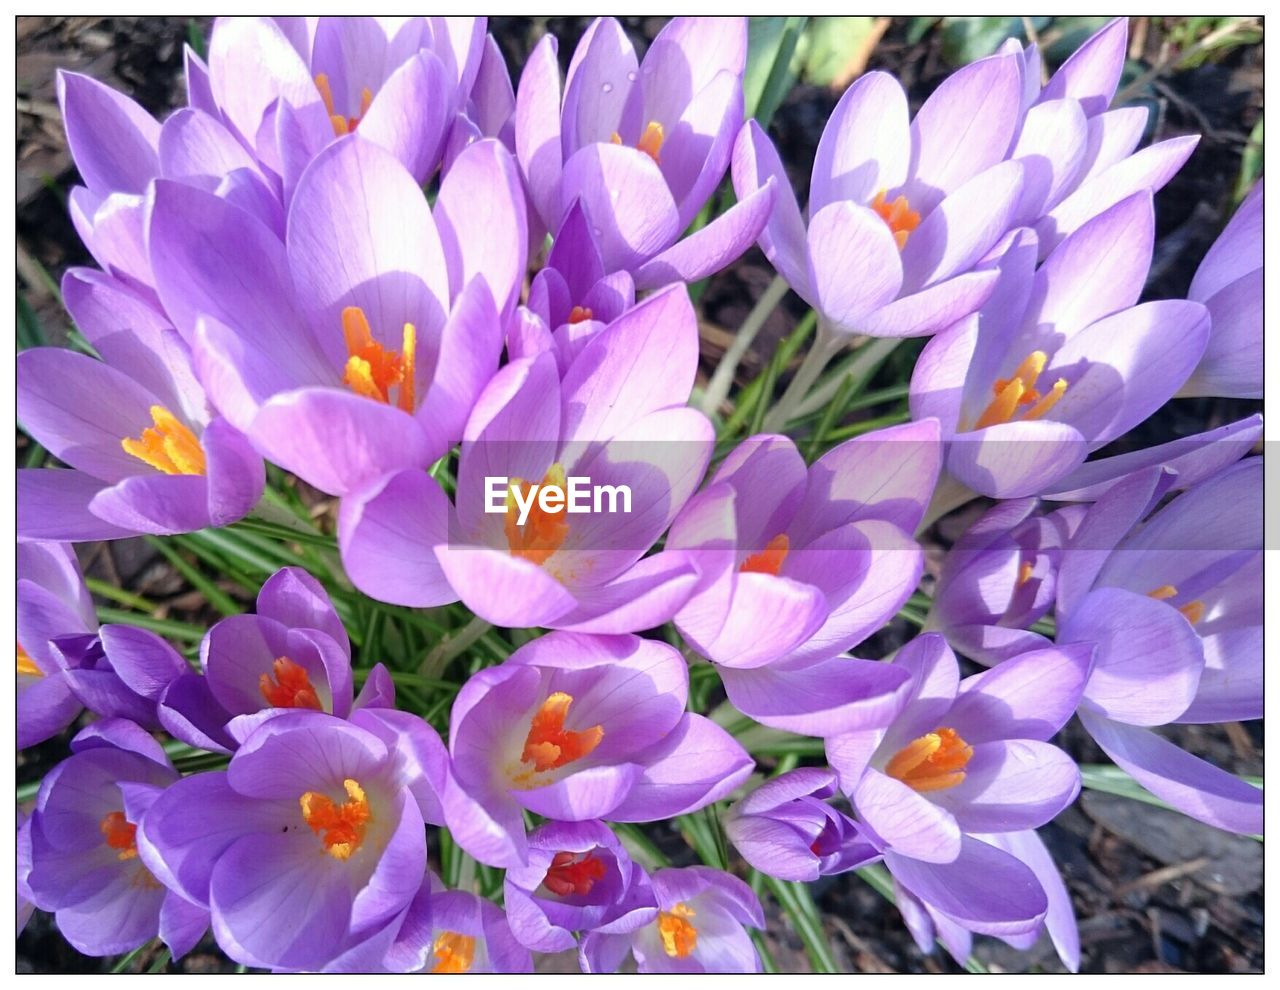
(861, 365)
(722, 379)
(825, 346)
(948, 496)
(452, 645)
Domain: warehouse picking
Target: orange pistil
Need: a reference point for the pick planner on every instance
(579, 314)
(934, 762)
(549, 745)
(1019, 390)
(650, 141)
(543, 533)
(770, 559)
(899, 215)
(570, 875)
(169, 446)
(1193, 610)
(371, 369)
(290, 688)
(121, 835)
(340, 826)
(454, 951)
(679, 937)
(27, 666)
(342, 125)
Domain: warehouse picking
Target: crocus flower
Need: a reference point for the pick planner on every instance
(799, 564)
(900, 212)
(578, 879)
(617, 418)
(52, 602)
(358, 346)
(290, 87)
(85, 866)
(927, 922)
(962, 758)
(1060, 361)
(294, 653)
(1173, 605)
(1229, 283)
(1078, 156)
(66, 663)
(574, 728)
(787, 829)
(469, 934)
(641, 145)
(999, 578)
(146, 454)
(700, 928)
(310, 842)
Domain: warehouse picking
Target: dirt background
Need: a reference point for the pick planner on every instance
(1153, 891)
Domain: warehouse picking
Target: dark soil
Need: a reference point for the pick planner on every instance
(1191, 902)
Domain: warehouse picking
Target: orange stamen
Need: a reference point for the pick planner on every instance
(371, 369)
(579, 314)
(1025, 572)
(341, 125)
(650, 141)
(291, 687)
(454, 951)
(169, 446)
(570, 875)
(549, 745)
(679, 937)
(1019, 390)
(899, 215)
(934, 762)
(120, 834)
(543, 533)
(26, 665)
(1193, 610)
(770, 559)
(340, 826)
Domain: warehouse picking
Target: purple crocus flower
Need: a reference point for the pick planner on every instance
(611, 419)
(1078, 156)
(85, 866)
(288, 87)
(700, 928)
(640, 146)
(1060, 360)
(999, 578)
(358, 345)
(578, 879)
(900, 212)
(146, 454)
(52, 603)
(928, 923)
(469, 934)
(294, 653)
(963, 758)
(798, 564)
(1174, 606)
(1229, 283)
(574, 728)
(310, 842)
(787, 829)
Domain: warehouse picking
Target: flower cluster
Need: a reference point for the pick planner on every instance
(363, 255)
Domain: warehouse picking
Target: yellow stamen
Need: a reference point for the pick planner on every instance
(1193, 610)
(1019, 390)
(549, 745)
(543, 533)
(679, 937)
(933, 762)
(169, 446)
(1025, 572)
(650, 141)
(341, 125)
(770, 559)
(899, 216)
(454, 951)
(341, 827)
(26, 665)
(371, 369)
(1163, 592)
